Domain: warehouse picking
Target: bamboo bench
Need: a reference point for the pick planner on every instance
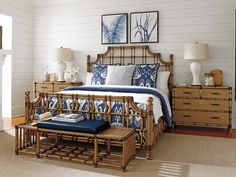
(29, 140)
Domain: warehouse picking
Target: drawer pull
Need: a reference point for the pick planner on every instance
(187, 103)
(215, 104)
(61, 87)
(214, 117)
(44, 87)
(187, 116)
(215, 93)
(187, 92)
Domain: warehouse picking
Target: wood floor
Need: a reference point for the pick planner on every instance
(204, 131)
(17, 120)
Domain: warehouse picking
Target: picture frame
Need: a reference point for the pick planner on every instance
(114, 28)
(144, 27)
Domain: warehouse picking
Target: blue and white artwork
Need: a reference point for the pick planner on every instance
(144, 27)
(114, 28)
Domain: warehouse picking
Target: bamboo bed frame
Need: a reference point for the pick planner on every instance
(124, 55)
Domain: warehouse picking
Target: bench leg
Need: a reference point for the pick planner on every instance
(149, 152)
(95, 160)
(108, 147)
(38, 144)
(16, 140)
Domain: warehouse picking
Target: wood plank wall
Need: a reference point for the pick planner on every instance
(22, 40)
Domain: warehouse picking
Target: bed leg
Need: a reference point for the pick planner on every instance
(149, 152)
(173, 125)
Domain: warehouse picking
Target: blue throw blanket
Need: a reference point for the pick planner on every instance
(143, 90)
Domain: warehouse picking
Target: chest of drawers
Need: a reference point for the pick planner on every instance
(199, 105)
(52, 86)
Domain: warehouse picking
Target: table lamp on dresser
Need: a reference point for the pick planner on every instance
(61, 55)
(196, 51)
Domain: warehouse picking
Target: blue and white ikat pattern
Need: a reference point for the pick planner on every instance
(117, 108)
(145, 75)
(99, 74)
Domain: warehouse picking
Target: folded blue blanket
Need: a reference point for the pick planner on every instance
(85, 126)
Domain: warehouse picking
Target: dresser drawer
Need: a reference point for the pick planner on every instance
(186, 93)
(60, 87)
(215, 94)
(201, 117)
(44, 88)
(208, 105)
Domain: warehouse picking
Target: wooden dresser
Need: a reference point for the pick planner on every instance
(40, 86)
(200, 105)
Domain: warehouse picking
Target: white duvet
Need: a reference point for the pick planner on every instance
(140, 98)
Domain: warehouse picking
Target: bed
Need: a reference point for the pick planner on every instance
(147, 110)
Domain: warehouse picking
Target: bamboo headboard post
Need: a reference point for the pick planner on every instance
(171, 78)
(88, 63)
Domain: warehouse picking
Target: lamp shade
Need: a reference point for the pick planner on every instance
(62, 54)
(196, 51)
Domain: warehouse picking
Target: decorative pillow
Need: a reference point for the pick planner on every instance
(120, 75)
(145, 75)
(99, 74)
(89, 78)
(162, 81)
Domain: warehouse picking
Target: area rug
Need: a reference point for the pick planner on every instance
(175, 155)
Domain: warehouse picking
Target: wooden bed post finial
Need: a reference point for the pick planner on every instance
(171, 57)
(88, 63)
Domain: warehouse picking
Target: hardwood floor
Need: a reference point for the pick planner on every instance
(234, 133)
(17, 120)
(203, 131)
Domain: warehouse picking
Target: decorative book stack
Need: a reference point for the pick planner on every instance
(69, 117)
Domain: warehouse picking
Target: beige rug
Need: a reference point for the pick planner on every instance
(174, 156)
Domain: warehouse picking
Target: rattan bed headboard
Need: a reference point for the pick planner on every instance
(133, 54)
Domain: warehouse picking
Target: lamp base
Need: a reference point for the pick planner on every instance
(196, 68)
(61, 66)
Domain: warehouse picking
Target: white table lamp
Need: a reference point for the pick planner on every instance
(196, 51)
(60, 55)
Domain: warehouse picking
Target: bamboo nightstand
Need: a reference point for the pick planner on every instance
(200, 105)
(40, 86)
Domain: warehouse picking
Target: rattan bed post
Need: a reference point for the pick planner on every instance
(149, 127)
(27, 106)
(88, 63)
(171, 77)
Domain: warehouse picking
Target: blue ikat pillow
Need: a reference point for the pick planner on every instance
(145, 75)
(99, 75)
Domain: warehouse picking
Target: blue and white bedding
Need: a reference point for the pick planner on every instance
(161, 104)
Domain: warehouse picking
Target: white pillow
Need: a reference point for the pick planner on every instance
(119, 75)
(162, 81)
(89, 78)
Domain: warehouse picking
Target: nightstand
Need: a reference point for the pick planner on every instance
(40, 86)
(202, 106)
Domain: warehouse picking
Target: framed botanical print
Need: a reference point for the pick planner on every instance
(144, 27)
(114, 28)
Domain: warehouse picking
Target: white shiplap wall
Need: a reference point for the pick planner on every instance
(76, 24)
(21, 12)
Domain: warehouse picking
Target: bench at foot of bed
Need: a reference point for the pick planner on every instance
(51, 143)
